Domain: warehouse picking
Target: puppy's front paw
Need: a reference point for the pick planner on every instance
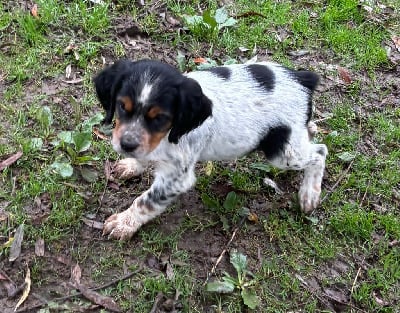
(121, 226)
(309, 197)
(127, 168)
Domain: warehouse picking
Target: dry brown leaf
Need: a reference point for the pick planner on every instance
(34, 11)
(68, 71)
(76, 274)
(396, 40)
(344, 75)
(15, 249)
(100, 134)
(107, 169)
(200, 60)
(39, 247)
(169, 271)
(92, 223)
(253, 217)
(12, 159)
(95, 297)
(27, 289)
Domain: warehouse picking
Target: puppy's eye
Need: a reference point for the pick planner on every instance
(125, 103)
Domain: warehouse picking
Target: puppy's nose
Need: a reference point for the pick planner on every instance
(128, 143)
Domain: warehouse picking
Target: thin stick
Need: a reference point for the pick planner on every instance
(338, 181)
(355, 280)
(226, 247)
(79, 294)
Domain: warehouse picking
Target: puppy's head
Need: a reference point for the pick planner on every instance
(151, 101)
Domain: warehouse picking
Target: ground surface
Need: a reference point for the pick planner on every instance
(345, 257)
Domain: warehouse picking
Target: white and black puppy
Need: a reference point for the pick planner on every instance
(175, 120)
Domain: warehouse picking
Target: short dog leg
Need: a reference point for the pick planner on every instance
(128, 168)
(168, 184)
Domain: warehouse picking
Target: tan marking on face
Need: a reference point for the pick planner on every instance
(128, 103)
(152, 140)
(154, 111)
(117, 131)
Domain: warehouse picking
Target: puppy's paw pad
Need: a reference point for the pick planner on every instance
(120, 226)
(127, 168)
(309, 198)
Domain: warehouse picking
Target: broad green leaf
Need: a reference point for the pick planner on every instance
(221, 15)
(220, 287)
(210, 202)
(82, 141)
(94, 120)
(45, 117)
(228, 23)
(261, 166)
(63, 168)
(208, 19)
(346, 156)
(250, 298)
(66, 136)
(90, 175)
(193, 20)
(231, 201)
(36, 143)
(239, 262)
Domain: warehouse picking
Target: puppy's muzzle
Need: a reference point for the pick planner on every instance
(129, 143)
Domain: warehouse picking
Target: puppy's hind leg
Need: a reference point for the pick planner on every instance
(300, 154)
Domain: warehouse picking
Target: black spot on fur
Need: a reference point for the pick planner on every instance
(220, 71)
(310, 81)
(321, 151)
(306, 78)
(263, 75)
(275, 140)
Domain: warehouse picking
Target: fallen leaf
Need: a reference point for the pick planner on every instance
(12, 159)
(68, 71)
(92, 223)
(209, 168)
(8, 243)
(271, 183)
(95, 297)
(200, 60)
(27, 289)
(99, 134)
(39, 247)
(34, 11)
(15, 249)
(252, 217)
(76, 274)
(396, 40)
(344, 75)
(169, 271)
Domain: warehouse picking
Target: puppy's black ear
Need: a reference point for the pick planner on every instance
(193, 108)
(107, 84)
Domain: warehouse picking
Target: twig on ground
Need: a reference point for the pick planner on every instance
(337, 182)
(157, 301)
(12, 159)
(79, 294)
(226, 246)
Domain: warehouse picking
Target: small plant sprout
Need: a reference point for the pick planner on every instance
(228, 283)
(75, 143)
(207, 26)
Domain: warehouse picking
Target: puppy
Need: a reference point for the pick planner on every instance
(175, 120)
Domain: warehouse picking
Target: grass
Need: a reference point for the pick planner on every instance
(296, 260)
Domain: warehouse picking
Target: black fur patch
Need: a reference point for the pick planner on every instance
(310, 81)
(274, 141)
(306, 78)
(263, 75)
(220, 71)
